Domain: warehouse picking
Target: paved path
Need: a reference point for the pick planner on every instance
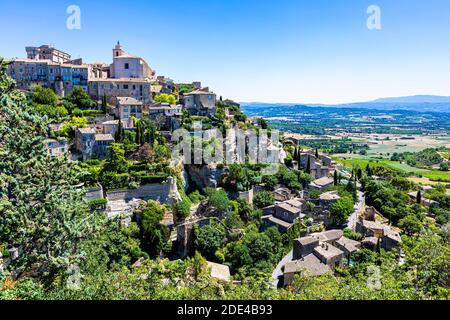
(277, 274)
(351, 222)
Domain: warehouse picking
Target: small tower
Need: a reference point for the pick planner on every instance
(117, 51)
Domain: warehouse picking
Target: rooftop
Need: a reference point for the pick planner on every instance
(329, 236)
(328, 196)
(113, 80)
(310, 264)
(86, 130)
(203, 91)
(323, 182)
(278, 222)
(104, 137)
(348, 245)
(327, 251)
(304, 241)
(219, 271)
(129, 101)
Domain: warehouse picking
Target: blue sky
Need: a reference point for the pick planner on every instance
(310, 51)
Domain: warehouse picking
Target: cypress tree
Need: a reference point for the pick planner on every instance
(138, 133)
(308, 165)
(359, 174)
(419, 197)
(119, 133)
(317, 153)
(104, 104)
(335, 177)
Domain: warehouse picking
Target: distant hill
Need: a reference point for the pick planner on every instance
(415, 99)
(419, 103)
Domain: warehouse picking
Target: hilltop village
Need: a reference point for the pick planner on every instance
(113, 126)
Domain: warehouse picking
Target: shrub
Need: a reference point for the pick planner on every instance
(98, 204)
(183, 208)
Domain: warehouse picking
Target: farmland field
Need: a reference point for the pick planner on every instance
(433, 175)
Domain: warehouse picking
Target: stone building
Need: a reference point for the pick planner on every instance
(89, 143)
(126, 65)
(46, 52)
(284, 214)
(128, 107)
(57, 147)
(61, 77)
(139, 89)
(200, 102)
(316, 254)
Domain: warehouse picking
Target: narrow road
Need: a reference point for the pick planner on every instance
(351, 222)
(277, 274)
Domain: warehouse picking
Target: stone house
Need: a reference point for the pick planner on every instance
(322, 183)
(200, 102)
(57, 147)
(385, 235)
(102, 144)
(90, 144)
(284, 214)
(139, 89)
(128, 107)
(309, 264)
(317, 166)
(322, 207)
(316, 254)
(304, 246)
(424, 202)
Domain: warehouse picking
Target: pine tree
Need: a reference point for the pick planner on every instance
(41, 212)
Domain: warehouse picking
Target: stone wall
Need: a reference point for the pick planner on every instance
(93, 193)
(163, 192)
(204, 176)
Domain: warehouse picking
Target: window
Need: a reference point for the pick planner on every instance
(134, 87)
(125, 86)
(127, 66)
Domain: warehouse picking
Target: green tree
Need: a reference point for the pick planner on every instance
(341, 210)
(411, 225)
(166, 98)
(116, 161)
(419, 197)
(104, 104)
(270, 181)
(218, 199)
(209, 240)
(263, 199)
(44, 96)
(444, 166)
(335, 178)
(183, 208)
(120, 132)
(155, 236)
(80, 99)
(308, 166)
(41, 213)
